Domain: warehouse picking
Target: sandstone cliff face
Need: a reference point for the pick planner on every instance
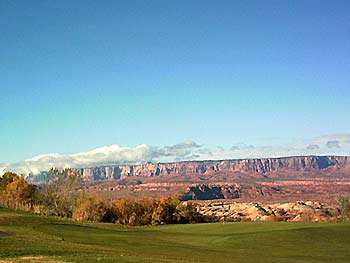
(210, 192)
(257, 167)
(293, 212)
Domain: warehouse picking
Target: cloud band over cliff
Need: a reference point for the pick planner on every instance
(187, 150)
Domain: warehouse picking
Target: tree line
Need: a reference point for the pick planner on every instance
(60, 196)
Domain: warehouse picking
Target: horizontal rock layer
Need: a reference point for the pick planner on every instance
(259, 167)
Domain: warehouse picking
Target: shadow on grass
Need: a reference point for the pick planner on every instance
(5, 234)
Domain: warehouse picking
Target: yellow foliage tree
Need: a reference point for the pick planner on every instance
(91, 209)
(17, 193)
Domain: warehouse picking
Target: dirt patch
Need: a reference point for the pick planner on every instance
(32, 259)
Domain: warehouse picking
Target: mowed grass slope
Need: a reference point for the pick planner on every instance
(25, 237)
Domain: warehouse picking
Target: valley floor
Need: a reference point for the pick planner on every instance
(30, 238)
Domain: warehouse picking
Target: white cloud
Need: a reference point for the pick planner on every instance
(342, 139)
(188, 150)
(2, 168)
(107, 155)
(333, 144)
(183, 149)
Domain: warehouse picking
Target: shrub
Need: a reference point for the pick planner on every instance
(51, 204)
(91, 209)
(344, 205)
(132, 212)
(188, 213)
(59, 197)
(165, 211)
(162, 211)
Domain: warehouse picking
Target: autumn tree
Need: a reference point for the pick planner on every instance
(188, 213)
(7, 178)
(134, 212)
(16, 192)
(59, 195)
(165, 210)
(92, 208)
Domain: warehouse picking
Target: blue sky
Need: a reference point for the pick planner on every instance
(75, 75)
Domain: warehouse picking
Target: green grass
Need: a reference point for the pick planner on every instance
(24, 235)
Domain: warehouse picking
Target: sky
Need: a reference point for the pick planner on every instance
(77, 75)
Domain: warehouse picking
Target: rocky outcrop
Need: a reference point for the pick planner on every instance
(256, 167)
(292, 212)
(100, 173)
(210, 192)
